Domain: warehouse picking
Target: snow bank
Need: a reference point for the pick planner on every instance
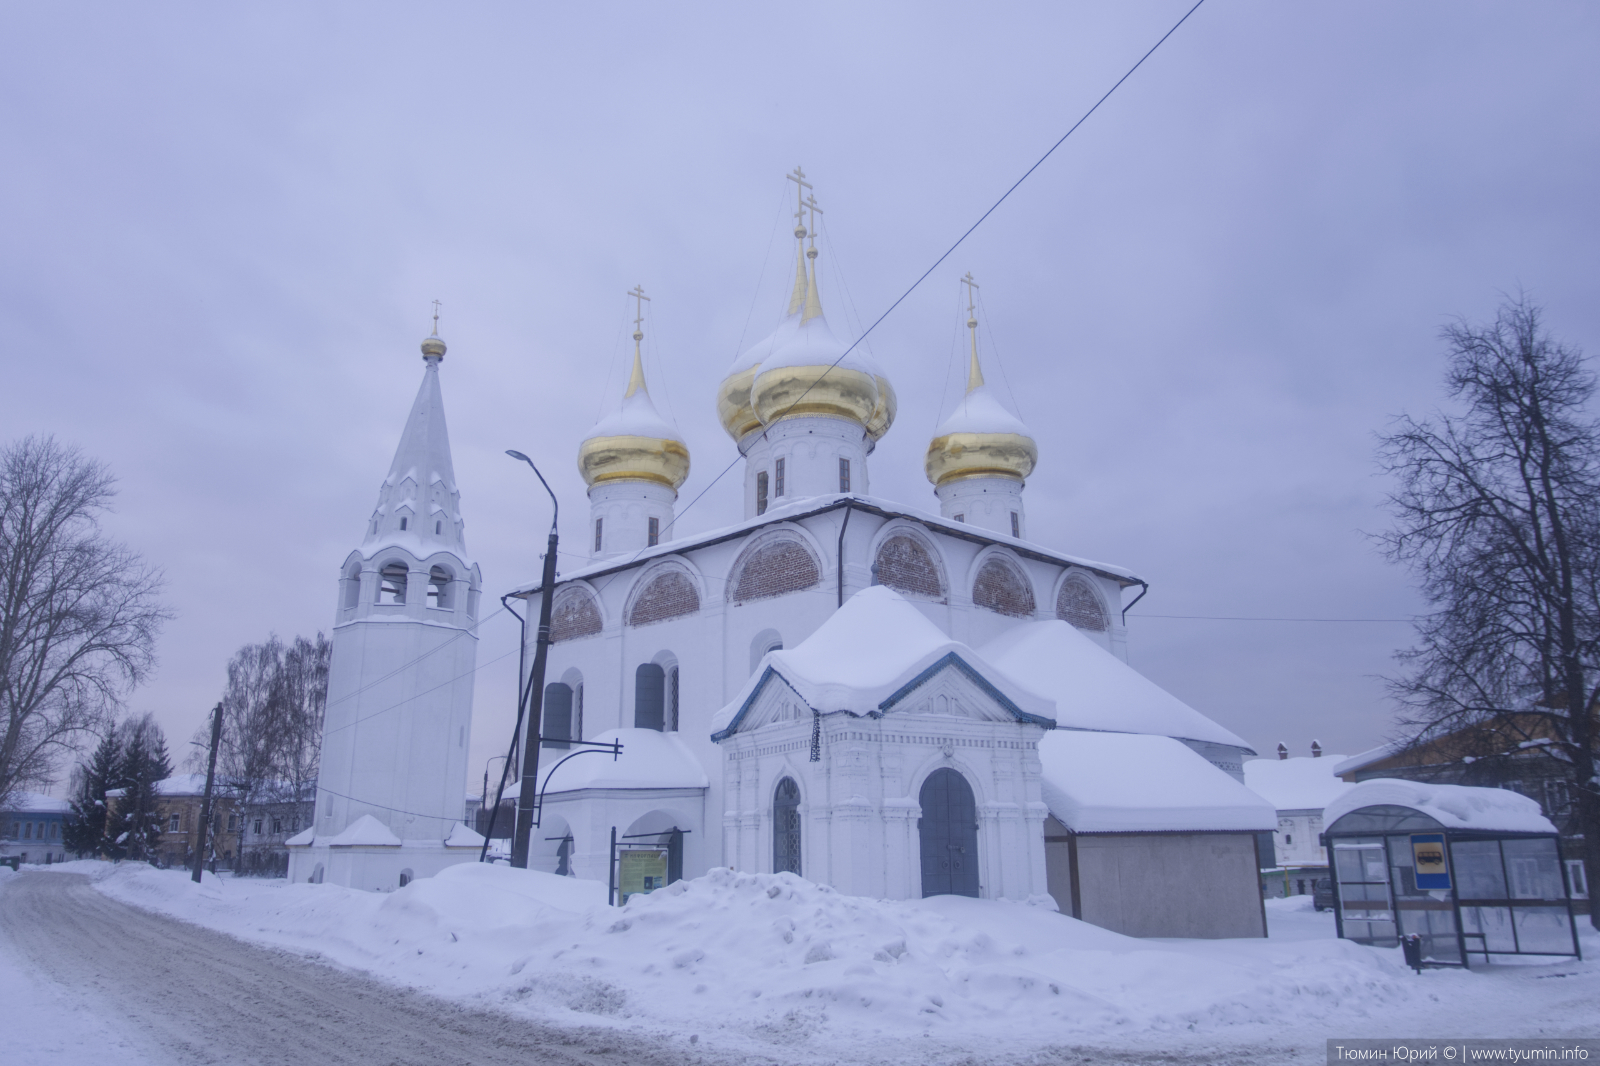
(768, 959)
(1130, 783)
(1093, 689)
(1298, 784)
(1452, 806)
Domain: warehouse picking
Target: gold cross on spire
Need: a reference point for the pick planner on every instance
(436, 318)
(800, 187)
(974, 372)
(636, 380)
(813, 297)
(811, 206)
(797, 295)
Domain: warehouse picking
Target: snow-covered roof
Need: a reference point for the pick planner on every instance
(865, 654)
(423, 457)
(1130, 783)
(1298, 784)
(1367, 758)
(1093, 689)
(636, 416)
(649, 759)
(463, 837)
(979, 411)
(23, 802)
(1452, 806)
(177, 785)
(302, 838)
(365, 831)
(758, 352)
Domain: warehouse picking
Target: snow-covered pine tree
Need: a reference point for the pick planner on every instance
(135, 828)
(85, 831)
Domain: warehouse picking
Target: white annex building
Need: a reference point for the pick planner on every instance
(894, 701)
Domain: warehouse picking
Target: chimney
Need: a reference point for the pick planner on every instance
(1316, 749)
(1283, 751)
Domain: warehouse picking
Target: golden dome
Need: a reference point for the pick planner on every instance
(734, 410)
(981, 438)
(634, 443)
(809, 374)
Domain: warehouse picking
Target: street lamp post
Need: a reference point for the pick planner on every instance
(530, 758)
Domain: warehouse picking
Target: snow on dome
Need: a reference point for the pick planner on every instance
(800, 378)
(636, 416)
(1129, 783)
(1299, 784)
(734, 406)
(365, 831)
(649, 759)
(1452, 806)
(979, 411)
(864, 653)
(1094, 689)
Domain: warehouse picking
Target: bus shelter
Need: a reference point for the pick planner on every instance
(1475, 872)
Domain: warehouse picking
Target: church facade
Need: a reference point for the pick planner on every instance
(894, 701)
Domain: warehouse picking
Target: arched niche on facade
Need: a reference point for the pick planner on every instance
(663, 592)
(776, 563)
(575, 613)
(441, 587)
(1001, 584)
(350, 584)
(763, 642)
(1078, 602)
(908, 562)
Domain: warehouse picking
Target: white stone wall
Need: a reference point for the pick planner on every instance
(625, 509)
(985, 502)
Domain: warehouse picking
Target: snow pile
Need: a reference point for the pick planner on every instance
(1299, 784)
(776, 959)
(1452, 806)
(1131, 783)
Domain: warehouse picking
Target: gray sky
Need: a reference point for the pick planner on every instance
(224, 227)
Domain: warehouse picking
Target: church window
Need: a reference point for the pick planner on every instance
(1001, 587)
(352, 586)
(1016, 525)
(961, 518)
(761, 492)
(654, 535)
(1078, 604)
(402, 524)
(669, 594)
(905, 565)
(439, 588)
(173, 822)
(599, 528)
(556, 727)
(777, 489)
(649, 697)
(438, 526)
(573, 615)
(671, 717)
(844, 475)
(406, 877)
(786, 828)
(392, 583)
(775, 568)
(577, 711)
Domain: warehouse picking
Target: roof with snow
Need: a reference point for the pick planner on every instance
(1298, 784)
(649, 759)
(461, 836)
(867, 656)
(805, 506)
(1367, 758)
(1093, 689)
(1131, 783)
(177, 785)
(1452, 806)
(23, 802)
(365, 831)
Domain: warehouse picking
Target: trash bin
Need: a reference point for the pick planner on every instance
(1411, 944)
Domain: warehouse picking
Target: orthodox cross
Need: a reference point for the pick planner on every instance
(436, 318)
(972, 290)
(811, 206)
(801, 185)
(639, 300)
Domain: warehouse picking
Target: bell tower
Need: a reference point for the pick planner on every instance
(398, 723)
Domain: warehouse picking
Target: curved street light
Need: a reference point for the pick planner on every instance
(527, 794)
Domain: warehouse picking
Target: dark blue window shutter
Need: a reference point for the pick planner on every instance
(557, 715)
(650, 697)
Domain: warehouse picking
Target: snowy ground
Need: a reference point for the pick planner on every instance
(775, 966)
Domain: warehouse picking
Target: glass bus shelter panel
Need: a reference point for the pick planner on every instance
(1476, 869)
(1534, 868)
(1430, 915)
(1543, 930)
(1488, 930)
(1364, 904)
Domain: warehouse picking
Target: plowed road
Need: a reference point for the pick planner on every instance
(94, 980)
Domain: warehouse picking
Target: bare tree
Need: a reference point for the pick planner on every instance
(79, 613)
(1498, 514)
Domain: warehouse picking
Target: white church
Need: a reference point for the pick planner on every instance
(893, 701)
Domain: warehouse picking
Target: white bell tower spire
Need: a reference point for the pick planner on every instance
(405, 645)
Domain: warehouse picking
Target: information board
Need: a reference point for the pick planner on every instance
(640, 871)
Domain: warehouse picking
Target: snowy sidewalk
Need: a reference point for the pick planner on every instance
(778, 965)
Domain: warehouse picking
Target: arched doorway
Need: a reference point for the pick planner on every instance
(786, 827)
(949, 832)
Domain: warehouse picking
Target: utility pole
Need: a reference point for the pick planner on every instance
(528, 794)
(205, 803)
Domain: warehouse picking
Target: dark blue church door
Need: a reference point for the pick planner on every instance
(949, 831)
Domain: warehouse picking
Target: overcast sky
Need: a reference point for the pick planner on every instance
(224, 228)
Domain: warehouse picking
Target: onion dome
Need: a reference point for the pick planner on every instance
(734, 408)
(634, 443)
(980, 438)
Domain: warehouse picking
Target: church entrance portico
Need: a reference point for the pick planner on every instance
(948, 834)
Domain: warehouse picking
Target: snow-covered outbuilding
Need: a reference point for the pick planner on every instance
(1473, 871)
